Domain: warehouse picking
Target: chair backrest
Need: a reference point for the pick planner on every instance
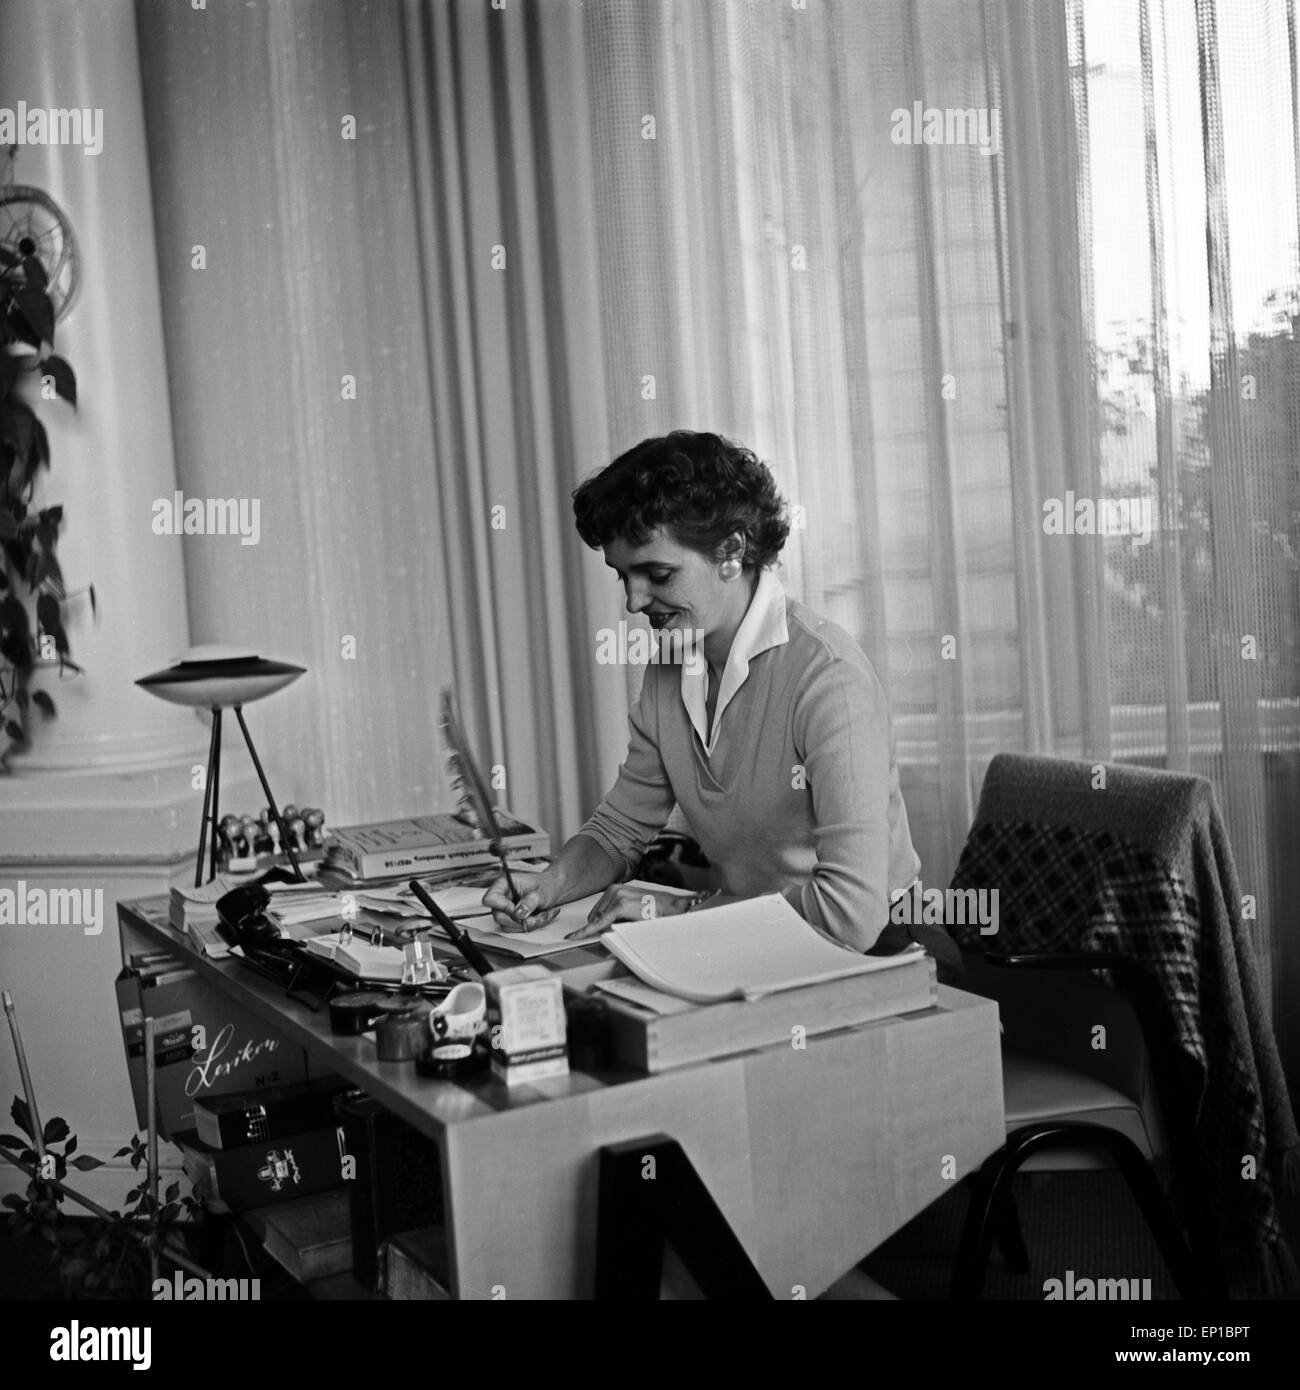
(1075, 1020)
(1048, 883)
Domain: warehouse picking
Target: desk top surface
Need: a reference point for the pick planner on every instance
(430, 1105)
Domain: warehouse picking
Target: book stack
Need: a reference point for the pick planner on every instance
(295, 905)
(424, 845)
(193, 911)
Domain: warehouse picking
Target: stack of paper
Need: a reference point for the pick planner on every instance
(742, 951)
(190, 905)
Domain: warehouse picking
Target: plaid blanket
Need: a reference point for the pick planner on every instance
(1142, 867)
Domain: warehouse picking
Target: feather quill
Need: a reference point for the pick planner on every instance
(471, 790)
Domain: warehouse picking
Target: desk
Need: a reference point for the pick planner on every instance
(814, 1155)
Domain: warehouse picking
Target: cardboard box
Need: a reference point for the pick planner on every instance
(526, 1020)
(260, 1175)
(204, 1045)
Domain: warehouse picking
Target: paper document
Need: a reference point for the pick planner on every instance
(208, 893)
(741, 951)
(550, 939)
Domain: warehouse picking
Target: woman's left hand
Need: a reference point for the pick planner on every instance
(623, 903)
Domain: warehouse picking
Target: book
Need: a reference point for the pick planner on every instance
(743, 950)
(311, 1237)
(420, 843)
(252, 1117)
(653, 1036)
(414, 1266)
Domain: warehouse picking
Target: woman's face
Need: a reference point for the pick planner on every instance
(676, 587)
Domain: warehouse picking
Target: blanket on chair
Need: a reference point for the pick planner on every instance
(1140, 864)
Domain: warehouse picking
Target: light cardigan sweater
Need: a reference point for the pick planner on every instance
(796, 792)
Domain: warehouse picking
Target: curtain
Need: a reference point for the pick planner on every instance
(1006, 292)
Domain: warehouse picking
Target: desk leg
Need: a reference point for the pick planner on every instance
(650, 1194)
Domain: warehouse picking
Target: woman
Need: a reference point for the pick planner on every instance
(776, 746)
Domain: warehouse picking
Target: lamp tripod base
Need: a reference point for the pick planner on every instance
(211, 797)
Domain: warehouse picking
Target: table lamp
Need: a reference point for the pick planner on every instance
(217, 677)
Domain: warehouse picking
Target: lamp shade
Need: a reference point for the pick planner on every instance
(215, 677)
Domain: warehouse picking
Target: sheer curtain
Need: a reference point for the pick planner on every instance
(940, 346)
(943, 263)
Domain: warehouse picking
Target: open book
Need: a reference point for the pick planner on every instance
(744, 950)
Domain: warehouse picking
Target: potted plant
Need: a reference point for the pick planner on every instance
(33, 599)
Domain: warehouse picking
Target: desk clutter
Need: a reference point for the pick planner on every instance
(678, 989)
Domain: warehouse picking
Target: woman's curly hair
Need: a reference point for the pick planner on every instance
(701, 488)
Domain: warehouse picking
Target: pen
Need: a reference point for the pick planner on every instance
(460, 939)
(499, 849)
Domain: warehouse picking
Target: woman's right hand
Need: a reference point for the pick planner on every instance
(538, 902)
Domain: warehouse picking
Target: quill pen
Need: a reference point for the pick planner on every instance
(468, 781)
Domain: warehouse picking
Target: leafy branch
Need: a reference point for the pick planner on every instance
(31, 580)
(107, 1256)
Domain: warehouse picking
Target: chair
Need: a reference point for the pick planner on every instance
(1072, 1106)
(1127, 873)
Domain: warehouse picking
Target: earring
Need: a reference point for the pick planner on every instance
(729, 570)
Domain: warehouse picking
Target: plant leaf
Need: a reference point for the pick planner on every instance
(173, 1191)
(13, 1201)
(35, 273)
(65, 381)
(50, 618)
(56, 1130)
(40, 453)
(85, 1163)
(70, 1147)
(122, 1152)
(17, 426)
(34, 306)
(8, 373)
(18, 1112)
